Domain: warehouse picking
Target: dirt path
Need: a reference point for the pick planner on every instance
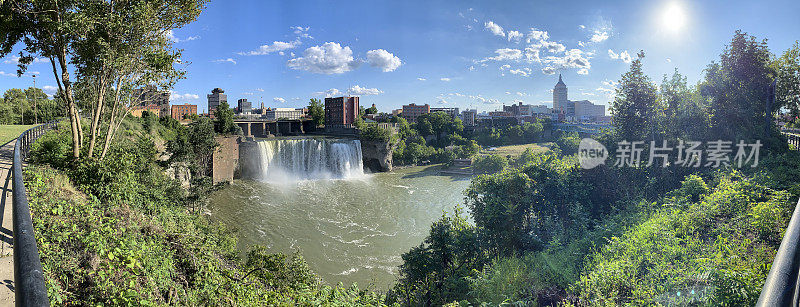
(6, 227)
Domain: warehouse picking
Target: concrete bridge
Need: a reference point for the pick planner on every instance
(265, 128)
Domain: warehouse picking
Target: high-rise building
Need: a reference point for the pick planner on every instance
(582, 110)
(468, 117)
(560, 101)
(412, 111)
(244, 106)
(341, 110)
(216, 97)
(453, 112)
(150, 96)
(180, 111)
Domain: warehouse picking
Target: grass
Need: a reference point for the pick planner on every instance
(10, 132)
(516, 150)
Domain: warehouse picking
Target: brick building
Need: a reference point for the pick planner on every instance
(412, 111)
(179, 111)
(341, 110)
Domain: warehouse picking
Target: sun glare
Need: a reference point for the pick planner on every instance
(673, 18)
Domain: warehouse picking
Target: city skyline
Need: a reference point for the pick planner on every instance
(468, 55)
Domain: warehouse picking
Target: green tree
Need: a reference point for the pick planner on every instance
(317, 112)
(737, 89)
(371, 110)
(436, 272)
(636, 109)
(223, 122)
(788, 79)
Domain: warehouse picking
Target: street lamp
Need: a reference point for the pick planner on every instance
(35, 109)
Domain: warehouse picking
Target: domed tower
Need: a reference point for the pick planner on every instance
(560, 95)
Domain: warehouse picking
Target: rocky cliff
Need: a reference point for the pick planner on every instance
(377, 155)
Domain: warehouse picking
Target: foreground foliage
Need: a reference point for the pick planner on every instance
(123, 233)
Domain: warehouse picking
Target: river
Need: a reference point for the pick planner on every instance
(348, 230)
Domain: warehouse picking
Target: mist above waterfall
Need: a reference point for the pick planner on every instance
(289, 160)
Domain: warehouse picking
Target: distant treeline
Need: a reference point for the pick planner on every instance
(29, 106)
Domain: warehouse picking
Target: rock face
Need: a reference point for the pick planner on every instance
(249, 160)
(225, 161)
(180, 171)
(377, 156)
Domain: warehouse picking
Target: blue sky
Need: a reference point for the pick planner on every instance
(466, 54)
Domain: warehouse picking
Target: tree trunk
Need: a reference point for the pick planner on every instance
(98, 112)
(74, 118)
(110, 131)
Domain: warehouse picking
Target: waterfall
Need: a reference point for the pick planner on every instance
(289, 160)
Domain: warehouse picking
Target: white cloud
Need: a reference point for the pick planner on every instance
(522, 71)
(329, 93)
(505, 54)
(362, 91)
(445, 79)
(383, 59)
(228, 60)
(504, 67)
(582, 26)
(421, 79)
(494, 28)
(583, 71)
(330, 58)
(669, 60)
(171, 36)
(3, 73)
(623, 56)
(276, 46)
(301, 31)
(260, 89)
(598, 37)
(49, 88)
(536, 35)
(549, 70)
(515, 36)
(471, 68)
(552, 47)
(175, 97)
(278, 100)
(15, 60)
(248, 93)
(573, 58)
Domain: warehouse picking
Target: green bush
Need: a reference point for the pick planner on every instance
(715, 251)
(489, 164)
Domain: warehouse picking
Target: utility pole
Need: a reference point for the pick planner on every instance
(35, 109)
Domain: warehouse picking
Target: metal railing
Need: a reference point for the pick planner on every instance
(29, 284)
(782, 287)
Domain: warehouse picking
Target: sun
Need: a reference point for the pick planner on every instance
(673, 17)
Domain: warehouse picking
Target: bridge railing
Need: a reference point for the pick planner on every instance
(29, 287)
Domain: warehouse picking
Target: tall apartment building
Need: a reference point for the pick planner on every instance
(284, 113)
(150, 96)
(180, 111)
(453, 112)
(468, 117)
(216, 97)
(341, 110)
(244, 106)
(412, 111)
